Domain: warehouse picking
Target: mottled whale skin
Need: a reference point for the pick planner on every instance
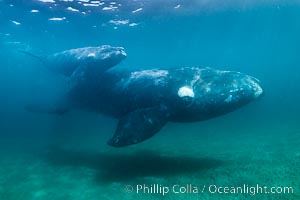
(145, 100)
(87, 59)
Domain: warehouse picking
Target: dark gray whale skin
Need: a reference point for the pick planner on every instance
(88, 60)
(145, 100)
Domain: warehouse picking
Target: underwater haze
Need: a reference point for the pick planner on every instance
(46, 156)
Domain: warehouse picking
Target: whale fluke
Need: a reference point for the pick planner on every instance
(40, 58)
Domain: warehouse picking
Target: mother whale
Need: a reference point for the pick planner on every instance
(145, 100)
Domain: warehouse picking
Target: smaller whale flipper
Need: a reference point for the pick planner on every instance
(139, 125)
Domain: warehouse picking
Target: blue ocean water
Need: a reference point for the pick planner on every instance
(66, 157)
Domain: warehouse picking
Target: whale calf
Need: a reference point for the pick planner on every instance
(145, 100)
(86, 59)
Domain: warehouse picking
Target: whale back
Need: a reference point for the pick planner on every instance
(92, 60)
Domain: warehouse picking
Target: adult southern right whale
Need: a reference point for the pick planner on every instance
(145, 100)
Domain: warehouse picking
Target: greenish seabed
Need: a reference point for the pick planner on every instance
(180, 154)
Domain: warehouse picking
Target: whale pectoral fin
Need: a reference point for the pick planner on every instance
(139, 125)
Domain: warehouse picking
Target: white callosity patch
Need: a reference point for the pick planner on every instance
(117, 52)
(197, 76)
(149, 73)
(258, 90)
(234, 90)
(228, 99)
(208, 87)
(247, 85)
(253, 84)
(96, 57)
(157, 77)
(101, 52)
(186, 91)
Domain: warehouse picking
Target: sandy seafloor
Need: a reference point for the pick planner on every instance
(221, 152)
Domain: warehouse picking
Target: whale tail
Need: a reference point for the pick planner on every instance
(40, 58)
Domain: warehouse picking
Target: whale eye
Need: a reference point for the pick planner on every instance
(186, 91)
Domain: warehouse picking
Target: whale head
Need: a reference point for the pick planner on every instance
(91, 60)
(229, 87)
(210, 93)
(107, 51)
(99, 59)
(107, 54)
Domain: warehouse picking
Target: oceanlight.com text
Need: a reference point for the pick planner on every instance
(210, 188)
